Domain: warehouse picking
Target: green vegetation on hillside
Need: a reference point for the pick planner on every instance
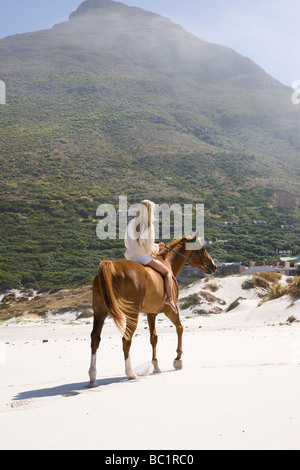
(110, 104)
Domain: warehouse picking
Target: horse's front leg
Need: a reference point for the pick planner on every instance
(175, 319)
(153, 340)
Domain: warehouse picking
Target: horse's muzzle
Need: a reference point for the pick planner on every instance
(212, 270)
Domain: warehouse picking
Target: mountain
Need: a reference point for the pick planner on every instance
(118, 100)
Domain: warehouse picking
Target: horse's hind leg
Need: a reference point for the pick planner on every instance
(179, 328)
(131, 327)
(153, 340)
(95, 341)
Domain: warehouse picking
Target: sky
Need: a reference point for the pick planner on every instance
(266, 31)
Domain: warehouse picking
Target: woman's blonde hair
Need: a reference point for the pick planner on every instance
(146, 215)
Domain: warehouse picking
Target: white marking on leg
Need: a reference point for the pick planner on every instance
(93, 370)
(128, 369)
(156, 369)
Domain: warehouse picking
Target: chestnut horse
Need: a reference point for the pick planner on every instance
(125, 288)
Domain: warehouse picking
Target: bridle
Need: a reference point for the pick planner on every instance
(189, 259)
(186, 257)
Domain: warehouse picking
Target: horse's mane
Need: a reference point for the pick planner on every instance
(165, 251)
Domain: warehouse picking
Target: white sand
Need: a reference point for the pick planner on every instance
(239, 388)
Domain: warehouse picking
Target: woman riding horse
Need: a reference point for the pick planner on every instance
(143, 283)
(139, 241)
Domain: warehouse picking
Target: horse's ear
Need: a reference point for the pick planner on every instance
(198, 241)
(189, 238)
(192, 240)
(196, 237)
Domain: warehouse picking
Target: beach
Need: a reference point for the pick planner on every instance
(239, 387)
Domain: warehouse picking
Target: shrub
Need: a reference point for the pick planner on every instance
(275, 293)
(294, 289)
(9, 281)
(291, 319)
(87, 313)
(256, 281)
(212, 287)
(271, 277)
(190, 301)
(234, 304)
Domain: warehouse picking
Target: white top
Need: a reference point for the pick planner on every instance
(144, 246)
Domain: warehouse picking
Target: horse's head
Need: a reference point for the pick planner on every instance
(206, 262)
(199, 256)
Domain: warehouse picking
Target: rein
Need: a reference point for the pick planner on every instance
(186, 257)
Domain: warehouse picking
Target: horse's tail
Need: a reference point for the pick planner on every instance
(116, 307)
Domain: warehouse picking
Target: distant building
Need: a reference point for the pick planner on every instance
(221, 241)
(232, 223)
(259, 269)
(293, 260)
(283, 267)
(226, 269)
(260, 223)
(189, 274)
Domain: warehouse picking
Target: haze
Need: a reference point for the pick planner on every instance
(266, 31)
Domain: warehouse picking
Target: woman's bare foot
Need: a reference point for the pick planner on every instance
(172, 305)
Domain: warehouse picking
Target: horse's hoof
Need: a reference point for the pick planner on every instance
(93, 384)
(178, 364)
(132, 377)
(156, 369)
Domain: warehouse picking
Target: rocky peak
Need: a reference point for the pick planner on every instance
(90, 5)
